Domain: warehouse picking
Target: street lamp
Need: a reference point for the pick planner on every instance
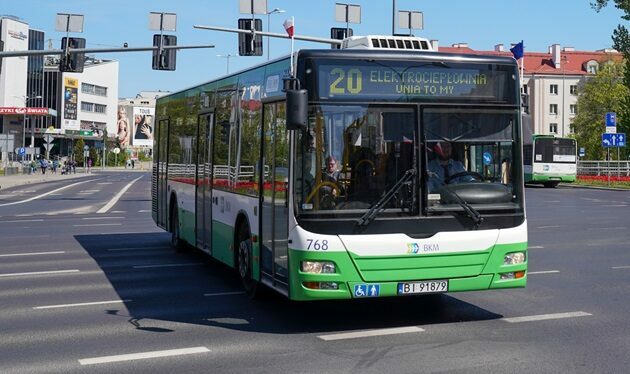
(26, 100)
(275, 10)
(227, 57)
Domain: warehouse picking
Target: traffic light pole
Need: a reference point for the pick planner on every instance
(97, 50)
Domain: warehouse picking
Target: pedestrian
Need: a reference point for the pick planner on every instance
(133, 163)
(89, 165)
(44, 165)
(73, 165)
(55, 164)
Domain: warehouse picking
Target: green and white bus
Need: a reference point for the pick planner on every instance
(549, 160)
(240, 172)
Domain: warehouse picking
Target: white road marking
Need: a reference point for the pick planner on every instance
(81, 304)
(166, 265)
(553, 201)
(368, 333)
(32, 254)
(543, 317)
(136, 248)
(548, 227)
(105, 183)
(23, 220)
(99, 224)
(620, 267)
(47, 193)
(536, 247)
(115, 199)
(118, 211)
(91, 218)
(144, 211)
(224, 293)
(143, 355)
(544, 272)
(40, 273)
(91, 191)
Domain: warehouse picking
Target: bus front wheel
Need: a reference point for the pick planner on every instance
(244, 258)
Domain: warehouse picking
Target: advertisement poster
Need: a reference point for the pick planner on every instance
(123, 127)
(143, 126)
(70, 100)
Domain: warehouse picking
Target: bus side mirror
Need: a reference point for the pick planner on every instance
(297, 109)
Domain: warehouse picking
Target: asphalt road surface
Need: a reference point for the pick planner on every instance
(102, 292)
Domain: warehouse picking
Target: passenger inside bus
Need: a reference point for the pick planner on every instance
(444, 168)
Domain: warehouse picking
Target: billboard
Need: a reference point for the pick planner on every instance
(123, 127)
(14, 37)
(70, 100)
(143, 126)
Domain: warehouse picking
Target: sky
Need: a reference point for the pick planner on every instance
(480, 23)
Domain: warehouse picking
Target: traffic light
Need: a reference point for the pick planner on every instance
(165, 60)
(339, 33)
(72, 62)
(245, 46)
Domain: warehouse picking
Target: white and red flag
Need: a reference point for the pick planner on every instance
(288, 25)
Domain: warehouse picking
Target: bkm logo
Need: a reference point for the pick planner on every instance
(413, 248)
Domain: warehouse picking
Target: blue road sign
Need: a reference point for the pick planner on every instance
(582, 152)
(21, 151)
(611, 119)
(613, 140)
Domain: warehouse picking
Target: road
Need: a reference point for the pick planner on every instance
(81, 291)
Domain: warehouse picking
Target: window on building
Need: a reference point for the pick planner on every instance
(553, 89)
(100, 91)
(573, 108)
(573, 89)
(525, 89)
(100, 108)
(553, 108)
(553, 128)
(87, 88)
(572, 128)
(87, 107)
(592, 66)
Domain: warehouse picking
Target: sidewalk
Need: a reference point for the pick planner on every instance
(7, 181)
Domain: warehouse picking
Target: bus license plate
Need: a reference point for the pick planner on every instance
(409, 288)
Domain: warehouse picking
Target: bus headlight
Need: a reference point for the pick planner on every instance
(514, 258)
(318, 267)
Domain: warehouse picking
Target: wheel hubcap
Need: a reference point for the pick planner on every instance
(243, 259)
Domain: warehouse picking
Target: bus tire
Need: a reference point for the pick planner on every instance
(176, 242)
(244, 258)
(551, 184)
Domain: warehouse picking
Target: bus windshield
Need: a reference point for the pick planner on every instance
(354, 155)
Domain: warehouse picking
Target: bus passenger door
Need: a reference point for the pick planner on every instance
(275, 207)
(161, 135)
(203, 198)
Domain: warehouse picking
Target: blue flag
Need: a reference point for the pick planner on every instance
(517, 50)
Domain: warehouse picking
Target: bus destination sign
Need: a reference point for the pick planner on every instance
(411, 82)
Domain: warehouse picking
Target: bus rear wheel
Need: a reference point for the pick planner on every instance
(244, 261)
(551, 184)
(176, 242)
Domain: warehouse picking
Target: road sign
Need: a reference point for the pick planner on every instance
(86, 148)
(48, 146)
(582, 152)
(21, 151)
(116, 150)
(611, 122)
(48, 138)
(613, 140)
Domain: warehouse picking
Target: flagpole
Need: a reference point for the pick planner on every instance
(522, 64)
(292, 42)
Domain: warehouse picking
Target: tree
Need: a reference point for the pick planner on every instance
(605, 92)
(621, 42)
(78, 151)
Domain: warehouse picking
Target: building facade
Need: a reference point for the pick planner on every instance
(551, 82)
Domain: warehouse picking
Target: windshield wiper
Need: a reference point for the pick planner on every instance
(471, 212)
(378, 206)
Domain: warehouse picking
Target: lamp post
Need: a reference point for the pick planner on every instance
(26, 100)
(275, 10)
(227, 57)
(563, 61)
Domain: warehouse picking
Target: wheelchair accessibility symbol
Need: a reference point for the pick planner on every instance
(366, 290)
